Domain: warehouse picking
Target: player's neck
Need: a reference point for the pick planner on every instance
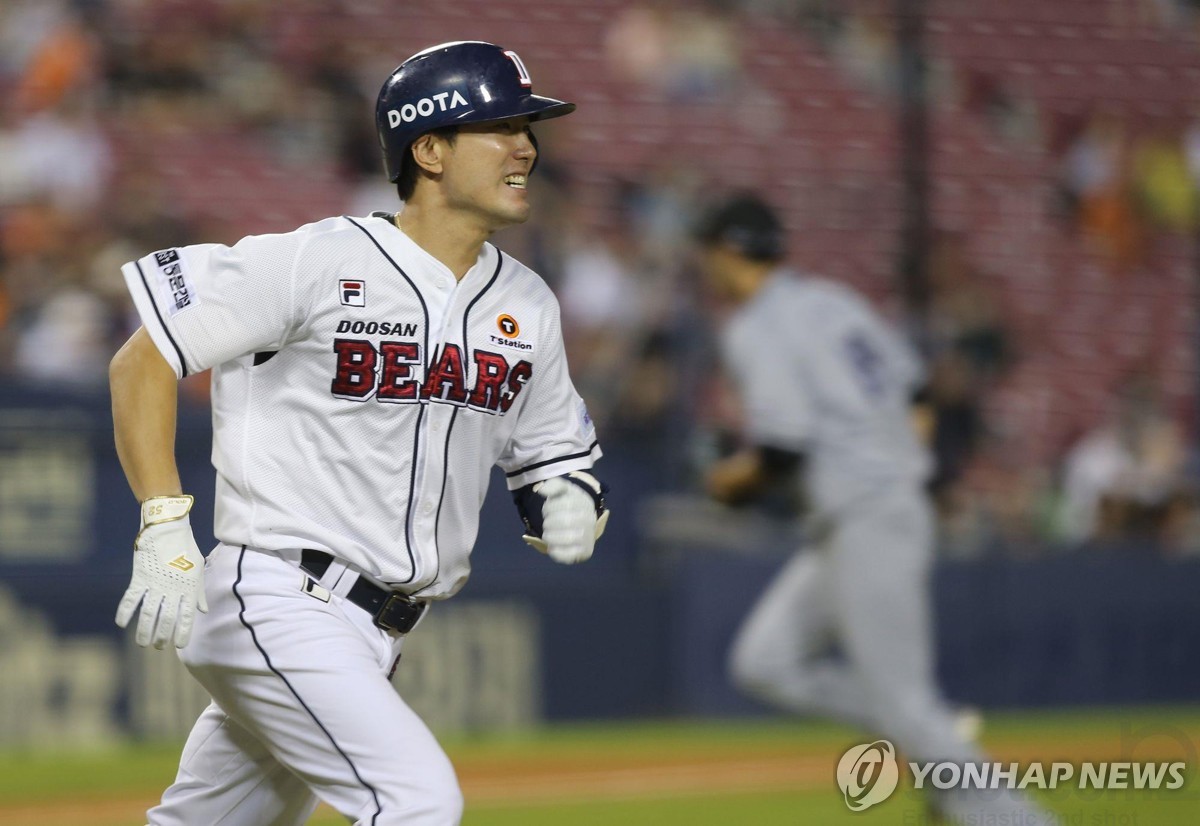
(453, 243)
(750, 280)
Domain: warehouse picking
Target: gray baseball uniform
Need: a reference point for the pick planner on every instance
(820, 373)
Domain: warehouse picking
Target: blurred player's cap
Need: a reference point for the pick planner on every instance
(747, 223)
(452, 84)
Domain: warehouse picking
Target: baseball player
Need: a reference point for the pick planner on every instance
(825, 388)
(367, 374)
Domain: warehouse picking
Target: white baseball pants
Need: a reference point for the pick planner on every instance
(302, 710)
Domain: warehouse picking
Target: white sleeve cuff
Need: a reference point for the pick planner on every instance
(143, 300)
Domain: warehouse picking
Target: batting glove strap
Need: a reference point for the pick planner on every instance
(168, 575)
(159, 509)
(560, 520)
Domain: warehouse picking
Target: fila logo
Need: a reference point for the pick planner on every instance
(508, 325)
(522, 72)
(182, 563)
(353, 293)
(425, 107)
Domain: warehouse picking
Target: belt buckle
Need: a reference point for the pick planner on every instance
(399, 613)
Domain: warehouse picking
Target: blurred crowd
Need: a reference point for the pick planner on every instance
(1124, 180)
(86, 85)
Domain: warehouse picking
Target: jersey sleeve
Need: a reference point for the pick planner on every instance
(772, 382)
(207, 304)
(554, 433)
(907, 365)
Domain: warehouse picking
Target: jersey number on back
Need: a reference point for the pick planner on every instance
(868, 364)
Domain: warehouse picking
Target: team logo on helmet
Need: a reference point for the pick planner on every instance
(508, 325)
(522, 72)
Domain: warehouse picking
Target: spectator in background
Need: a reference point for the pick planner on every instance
(966, 312)
(1191, 151)
(58, 155)
(69, 341)
(51, 146)
(1098, 189)
(969, 349)
(599, 293)
(1165, 190)
(688, 52)
(1126, 480)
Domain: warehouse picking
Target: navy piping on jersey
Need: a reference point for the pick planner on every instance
(545, 462)
(437, 521)
(267, 659)
(486, 287)
(161, 323)
(412, 483)
(392, 261)
(412, 489)
(450, 429)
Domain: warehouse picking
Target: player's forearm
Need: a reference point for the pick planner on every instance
(735, 478)
(145, 397)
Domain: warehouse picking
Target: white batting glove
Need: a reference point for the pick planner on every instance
(168, 574)
(570, 527)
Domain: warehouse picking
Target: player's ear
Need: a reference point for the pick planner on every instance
(428, 152)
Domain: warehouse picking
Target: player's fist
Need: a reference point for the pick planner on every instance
(168, 575)
(573, 517)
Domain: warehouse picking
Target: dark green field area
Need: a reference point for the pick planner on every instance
(686, 773)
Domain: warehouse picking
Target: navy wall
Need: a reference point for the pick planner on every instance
(618, 638)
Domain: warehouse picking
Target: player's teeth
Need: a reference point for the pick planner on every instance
(517, 181)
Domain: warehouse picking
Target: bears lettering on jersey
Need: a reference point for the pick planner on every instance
(446, 379)
(390, 373)
(396, 379)
(356, 360)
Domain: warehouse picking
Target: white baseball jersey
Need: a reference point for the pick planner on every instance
(361, 395)
(818, 371)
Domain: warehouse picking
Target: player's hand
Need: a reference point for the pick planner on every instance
(736, 479)
(168, 575)
(571, 519)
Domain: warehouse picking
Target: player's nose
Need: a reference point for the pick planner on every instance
(526, 147)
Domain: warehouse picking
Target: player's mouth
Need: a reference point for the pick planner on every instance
(516, 181)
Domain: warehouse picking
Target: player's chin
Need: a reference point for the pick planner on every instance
(516, 207)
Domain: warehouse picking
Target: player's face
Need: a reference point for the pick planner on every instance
(717, 265)
(487, 171)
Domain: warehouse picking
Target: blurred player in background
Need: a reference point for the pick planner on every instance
(827, 392)
(367, 375)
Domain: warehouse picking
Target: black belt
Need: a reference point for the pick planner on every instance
(391, 610)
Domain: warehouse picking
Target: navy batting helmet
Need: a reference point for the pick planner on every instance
(468, 81)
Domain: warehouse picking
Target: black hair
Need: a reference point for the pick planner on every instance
(745, 222)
